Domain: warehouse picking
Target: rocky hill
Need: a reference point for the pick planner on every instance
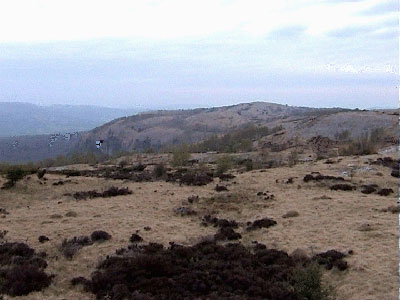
(158, 128)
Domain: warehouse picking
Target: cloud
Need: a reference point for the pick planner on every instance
(218, 50)
(378, 29)
(288, 32)
(49, 20)
(383, 7)
(351, 31)
(387, 34)
(341, 1)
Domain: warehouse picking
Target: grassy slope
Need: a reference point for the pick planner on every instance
(322, 224)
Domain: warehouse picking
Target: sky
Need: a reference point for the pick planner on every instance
(184, 53)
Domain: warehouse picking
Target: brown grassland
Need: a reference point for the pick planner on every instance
(323, 223)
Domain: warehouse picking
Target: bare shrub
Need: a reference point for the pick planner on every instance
(293, 158)
(180, 157)
(364, 145)
(343, 135)
(224, 163)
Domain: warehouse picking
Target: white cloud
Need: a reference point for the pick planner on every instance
(49, 20)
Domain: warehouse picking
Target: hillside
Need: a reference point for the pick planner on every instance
(18, 118)
(154, 130)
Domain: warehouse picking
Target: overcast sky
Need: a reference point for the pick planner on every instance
(183, 53)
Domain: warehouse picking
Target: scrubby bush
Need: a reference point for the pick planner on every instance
(159, 170)
(240, 140)
(21, 280)
(208, 219)
(203, 271)
(249, 165)
(123, 163)
(261, 223)
(29, 168)
(293, 158)
(43, 239)
(377, 135)
(40, 173)
(100, 235)
(21, 270)
(220, 188)
(224, 163)
(184, 211)
(227, 233)
(89, 157)
(343, 135)
(13, 174)
(69, 247)
(369, 188)
(364, 145)
(180, 157)
(111, 192)
(342, 187)
(385, 192)
(190, 178)
(330, 259)
(135, 238)
(307, 282)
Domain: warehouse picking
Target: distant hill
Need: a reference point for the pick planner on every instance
(17, 118)
(155, 129)
(159, 128)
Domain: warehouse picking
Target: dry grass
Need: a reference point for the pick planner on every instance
(322, 224)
